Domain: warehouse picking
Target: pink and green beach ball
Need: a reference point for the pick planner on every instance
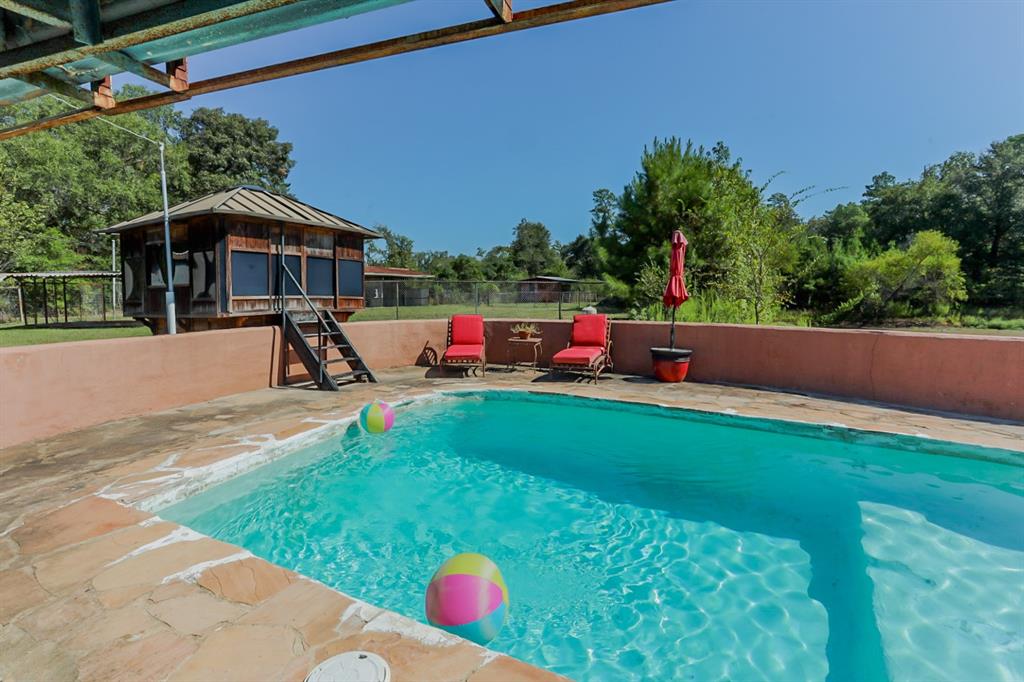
(468, 597)
(377, 417)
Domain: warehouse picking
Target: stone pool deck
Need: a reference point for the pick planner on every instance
(93, 586)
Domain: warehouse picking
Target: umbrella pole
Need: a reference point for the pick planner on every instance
(672, 333)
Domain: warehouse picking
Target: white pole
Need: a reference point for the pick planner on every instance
(113, 268)
(172, 324)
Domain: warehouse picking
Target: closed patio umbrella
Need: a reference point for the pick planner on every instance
(675, 292)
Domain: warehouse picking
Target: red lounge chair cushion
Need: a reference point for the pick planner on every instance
(589, 330)
(464, 351)
(578, 355)
(467, 330)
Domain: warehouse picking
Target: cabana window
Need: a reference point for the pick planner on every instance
(294, 265)
(250, 274)
(350, 278)
(319, 276)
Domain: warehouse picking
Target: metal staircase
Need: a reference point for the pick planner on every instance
(313, 347)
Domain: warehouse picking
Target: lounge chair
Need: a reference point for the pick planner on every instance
(466, 344)
(590, 347)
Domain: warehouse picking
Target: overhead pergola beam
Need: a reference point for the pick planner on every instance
(85, 21)
(170, 79)
(33, 10)
(178, 17)
(502, 9)
(97, 98)
(533, 18)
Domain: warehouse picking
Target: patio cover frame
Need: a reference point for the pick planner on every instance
(86, 29)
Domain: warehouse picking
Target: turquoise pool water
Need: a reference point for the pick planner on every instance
(650, 544)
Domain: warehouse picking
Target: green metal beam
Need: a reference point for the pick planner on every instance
(85, 20)
(100, 97)
(178, 17)
(56, 85)
(33, 10)
(127, 63)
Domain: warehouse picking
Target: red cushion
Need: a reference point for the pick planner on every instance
(577, 355)
(467, 329)
(464, 351)
(589, 330)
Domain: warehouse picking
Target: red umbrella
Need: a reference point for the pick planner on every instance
(675, 292)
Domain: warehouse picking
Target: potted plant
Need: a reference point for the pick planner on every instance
(671, 364)
(525, 330)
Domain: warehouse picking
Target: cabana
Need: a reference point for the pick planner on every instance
(226, 249)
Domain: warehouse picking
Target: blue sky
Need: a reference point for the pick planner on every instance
(453, 146)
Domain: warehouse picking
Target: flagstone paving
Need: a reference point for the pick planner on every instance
(94, 587)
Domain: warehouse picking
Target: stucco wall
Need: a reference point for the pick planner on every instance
(59, 387)
(982, 375)
(55, 388)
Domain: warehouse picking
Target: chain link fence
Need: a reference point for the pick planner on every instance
(429, 299)
(78, 301)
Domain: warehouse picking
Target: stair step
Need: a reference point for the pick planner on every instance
(334, 360)
(355, 374)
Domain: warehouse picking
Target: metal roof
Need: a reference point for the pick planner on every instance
(250, 202)
(384, 272)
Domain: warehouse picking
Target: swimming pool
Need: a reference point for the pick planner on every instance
(647, 543)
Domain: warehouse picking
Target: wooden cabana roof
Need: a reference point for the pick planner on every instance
(248, 201)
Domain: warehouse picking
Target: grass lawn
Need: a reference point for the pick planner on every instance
(22, 336)
(538, 311)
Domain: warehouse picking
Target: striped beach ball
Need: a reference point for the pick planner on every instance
(468, 597)
(377, 417)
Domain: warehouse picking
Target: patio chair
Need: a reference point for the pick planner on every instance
(590, 347)
(466, 344)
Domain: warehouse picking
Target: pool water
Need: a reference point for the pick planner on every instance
(641, 543)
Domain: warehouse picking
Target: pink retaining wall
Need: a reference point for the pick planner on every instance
(59, 387)
(51, 389)
(981, 375)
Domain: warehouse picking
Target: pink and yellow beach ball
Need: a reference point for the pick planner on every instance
(377, 417)
(467, 597)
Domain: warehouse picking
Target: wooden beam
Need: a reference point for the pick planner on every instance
(502, 9)
(125, 62)
(103, 93)
(177, 17)
(178, 72)
(533, 18)
(85, 21)
(41, 13)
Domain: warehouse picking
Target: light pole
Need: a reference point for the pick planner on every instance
(172, 323)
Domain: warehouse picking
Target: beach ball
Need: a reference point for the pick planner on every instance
(467, 597)
(377, 417)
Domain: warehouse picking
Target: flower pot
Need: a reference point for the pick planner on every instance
(671, 364)
(523, 335)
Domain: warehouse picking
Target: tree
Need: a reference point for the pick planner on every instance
(498, 265)
(466, 268)
(677, 187)
(397, 252)
(924, 278)
(231, 149)
(763, 236)
(583, 256)
(532, 252)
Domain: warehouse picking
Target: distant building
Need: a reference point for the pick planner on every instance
(545, 289)
(386, 287)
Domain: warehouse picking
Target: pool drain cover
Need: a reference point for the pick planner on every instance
(352, 666)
